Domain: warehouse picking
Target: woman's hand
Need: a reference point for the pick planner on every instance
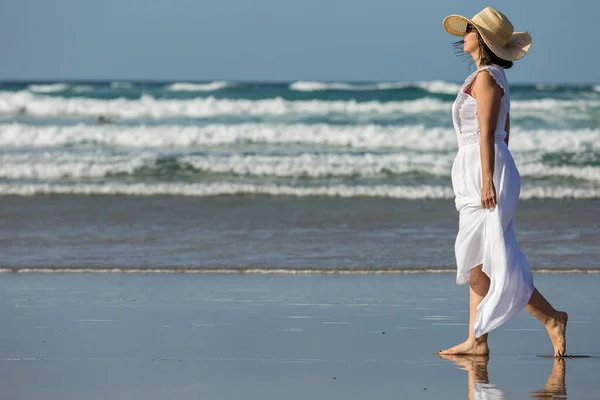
(488, 194)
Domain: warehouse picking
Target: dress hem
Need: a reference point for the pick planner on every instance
(465, 277)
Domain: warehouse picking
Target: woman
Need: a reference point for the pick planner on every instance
(486, 185)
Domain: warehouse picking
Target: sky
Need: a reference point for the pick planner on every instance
(282, 40)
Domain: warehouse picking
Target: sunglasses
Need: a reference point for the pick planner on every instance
(470, 28)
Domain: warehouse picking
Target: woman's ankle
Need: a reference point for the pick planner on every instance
(480, 340)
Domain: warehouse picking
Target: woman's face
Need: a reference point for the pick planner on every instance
(471, 44)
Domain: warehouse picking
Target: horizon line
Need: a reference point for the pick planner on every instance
(255, 81)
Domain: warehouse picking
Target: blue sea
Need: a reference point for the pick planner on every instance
(82, 163)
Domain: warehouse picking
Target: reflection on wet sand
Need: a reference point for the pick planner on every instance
(480, 388)
(477, 376)
(555, 385)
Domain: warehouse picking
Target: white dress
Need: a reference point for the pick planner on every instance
(487, 236)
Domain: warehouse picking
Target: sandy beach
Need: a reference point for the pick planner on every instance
(215, 336)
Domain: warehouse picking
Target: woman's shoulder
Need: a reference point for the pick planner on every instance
(497, 73)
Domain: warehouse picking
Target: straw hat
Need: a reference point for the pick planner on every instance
(495, 30)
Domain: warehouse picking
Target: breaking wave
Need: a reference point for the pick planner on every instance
(431, 86)
(371, 136)
(27, 103)
(237, 189)
(199, 87)
(48, 88)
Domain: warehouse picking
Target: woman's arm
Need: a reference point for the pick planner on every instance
(507, 128)
(488, 95)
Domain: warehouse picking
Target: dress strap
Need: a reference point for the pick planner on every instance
(497, 74)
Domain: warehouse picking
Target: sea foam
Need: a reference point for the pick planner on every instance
(319, 166)
(168, 136)
(370, 136)
(230, 189)
(12, 103)
(58, 165)
(199, 87)
(27, 103)
(48, 88)
(431, 86)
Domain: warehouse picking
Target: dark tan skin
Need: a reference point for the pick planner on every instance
(488, 95)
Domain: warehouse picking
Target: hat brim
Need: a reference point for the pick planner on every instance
(516, 47)
(456, 25)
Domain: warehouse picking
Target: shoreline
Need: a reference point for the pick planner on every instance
(268, 270)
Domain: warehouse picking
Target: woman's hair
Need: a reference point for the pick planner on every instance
(486, 55)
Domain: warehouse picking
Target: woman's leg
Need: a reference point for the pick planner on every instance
(479, 285)
(554, 321)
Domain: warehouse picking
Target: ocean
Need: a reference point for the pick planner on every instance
(296, 175)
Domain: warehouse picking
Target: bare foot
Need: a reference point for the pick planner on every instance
(478, 347)
(555, 385)
(557, 330)
(474, 364)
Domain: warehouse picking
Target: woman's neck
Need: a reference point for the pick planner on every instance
(477, 60)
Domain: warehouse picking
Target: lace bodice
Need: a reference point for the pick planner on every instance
(464, 109)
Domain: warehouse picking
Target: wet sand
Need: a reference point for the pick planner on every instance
(213, 336)
(262, 232)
